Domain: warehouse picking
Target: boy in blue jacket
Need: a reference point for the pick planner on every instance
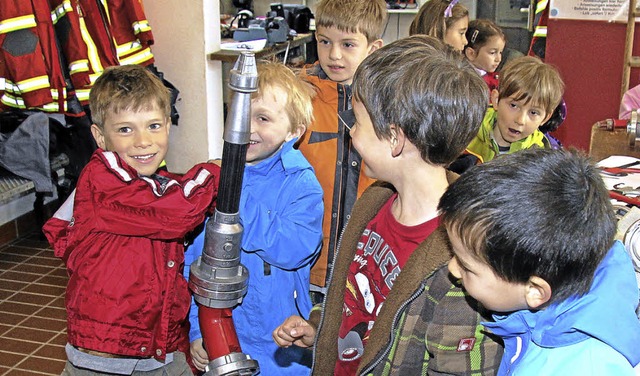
(281, 210)
(533, 239)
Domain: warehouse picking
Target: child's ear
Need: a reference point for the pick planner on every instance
(470, 53)
(495, 95)
(98, 135)
(375, 45)
(298, 131)
(169, 124)
(537, 293)
(397, 140)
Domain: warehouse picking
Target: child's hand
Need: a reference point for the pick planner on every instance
(294, 331)
(199, 354)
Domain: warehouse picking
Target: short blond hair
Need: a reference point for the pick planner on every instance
(368, 17)
(127, 88)
(528, 78)
(299, 106)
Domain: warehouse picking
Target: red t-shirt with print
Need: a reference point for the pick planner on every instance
(383, 249)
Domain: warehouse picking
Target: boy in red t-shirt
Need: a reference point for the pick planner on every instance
(417, 104)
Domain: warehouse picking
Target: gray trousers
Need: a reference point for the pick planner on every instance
(179, 367)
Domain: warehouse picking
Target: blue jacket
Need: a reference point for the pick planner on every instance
(281, 210)
(594, 334)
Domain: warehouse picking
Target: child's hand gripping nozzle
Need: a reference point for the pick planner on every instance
(217, 279)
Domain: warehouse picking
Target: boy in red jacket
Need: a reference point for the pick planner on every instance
(121, 233)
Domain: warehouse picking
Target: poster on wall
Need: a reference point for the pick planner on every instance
(591, 10)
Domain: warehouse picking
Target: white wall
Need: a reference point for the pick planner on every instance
(185, 32)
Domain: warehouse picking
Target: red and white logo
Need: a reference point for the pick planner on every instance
(466, 344)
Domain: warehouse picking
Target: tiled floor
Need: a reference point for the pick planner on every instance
(32, 315)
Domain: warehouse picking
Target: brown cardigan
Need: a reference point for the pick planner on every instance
(418, 267)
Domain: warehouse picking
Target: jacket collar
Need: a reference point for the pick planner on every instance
(612, 297)
(288, 158)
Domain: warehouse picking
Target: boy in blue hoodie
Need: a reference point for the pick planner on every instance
(533, 240)
(281, 210)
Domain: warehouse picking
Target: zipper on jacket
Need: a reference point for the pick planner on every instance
(341, 174)
(381, 355)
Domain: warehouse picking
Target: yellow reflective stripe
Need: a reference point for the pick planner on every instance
(94, 77)
(92, 50)
(141, 26)
(7, 85)
(79, 66)
(61, 10)
(18, 102)
(105, 5)
(128, 48)
(138, 58)
(541, 5)
(540, 32)
(53, 107)
(32, 84)
(17, 23)
(82, 94)
(12, 101)
(11, 87)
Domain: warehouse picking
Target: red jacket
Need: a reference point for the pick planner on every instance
(121, 237)
(492, 80)
(30, 71)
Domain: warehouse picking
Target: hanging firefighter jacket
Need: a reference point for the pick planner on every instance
(55, 49)
(539, 38)
(31, 75)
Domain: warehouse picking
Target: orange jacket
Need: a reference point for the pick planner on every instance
(338, 166)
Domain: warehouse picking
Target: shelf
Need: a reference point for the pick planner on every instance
(231, 56)
(403, 11)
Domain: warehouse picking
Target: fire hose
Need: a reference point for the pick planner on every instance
(217, 279)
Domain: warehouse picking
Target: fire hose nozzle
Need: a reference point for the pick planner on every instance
(218, 280)
(243, 80)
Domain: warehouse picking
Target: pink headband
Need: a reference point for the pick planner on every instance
(448, 12)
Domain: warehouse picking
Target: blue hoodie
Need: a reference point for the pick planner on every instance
(594, 334)
(281, 212)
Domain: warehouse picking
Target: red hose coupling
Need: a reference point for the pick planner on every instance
(218, 332)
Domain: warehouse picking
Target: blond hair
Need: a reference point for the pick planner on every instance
(368, 17)
(528, 78)
(299, 93)
(127, 88)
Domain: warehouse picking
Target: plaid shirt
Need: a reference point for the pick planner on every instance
(425, 321)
